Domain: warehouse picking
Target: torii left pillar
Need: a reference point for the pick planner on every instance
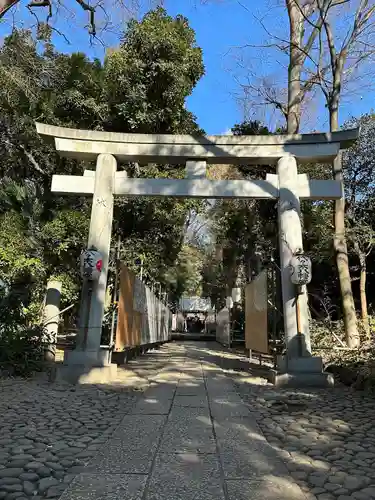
(88, 362)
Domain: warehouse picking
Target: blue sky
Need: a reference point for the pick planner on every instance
(222, 27)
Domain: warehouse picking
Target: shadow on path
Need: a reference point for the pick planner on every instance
(190, 437)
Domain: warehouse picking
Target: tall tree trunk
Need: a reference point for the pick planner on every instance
(362, 289)
(296, 59)
(340, 246)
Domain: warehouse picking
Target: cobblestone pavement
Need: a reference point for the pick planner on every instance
(48, 434)
(202, 428)
(325, 437)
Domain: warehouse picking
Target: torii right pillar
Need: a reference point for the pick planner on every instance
(298, 367)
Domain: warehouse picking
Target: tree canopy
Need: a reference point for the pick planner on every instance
(141, 87)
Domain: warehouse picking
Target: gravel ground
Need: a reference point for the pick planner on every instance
(325, 437)
(49, 433)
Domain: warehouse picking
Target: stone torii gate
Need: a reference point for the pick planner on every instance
(287, 186)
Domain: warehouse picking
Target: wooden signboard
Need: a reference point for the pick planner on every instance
(256, 308)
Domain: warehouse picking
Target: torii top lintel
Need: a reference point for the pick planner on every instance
(226, 149)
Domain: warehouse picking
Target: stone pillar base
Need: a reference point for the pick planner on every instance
(102, 357)
(297, 380)
(300, 372)
(85, 367)
(84, 374)
(302, 364)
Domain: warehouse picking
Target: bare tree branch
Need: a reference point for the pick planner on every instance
(288, 43)
(6, 5)
(91, 10)
(31, 159)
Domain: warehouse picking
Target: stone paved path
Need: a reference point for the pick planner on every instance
(203, 429)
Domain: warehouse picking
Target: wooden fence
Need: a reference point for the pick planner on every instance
(142, 318)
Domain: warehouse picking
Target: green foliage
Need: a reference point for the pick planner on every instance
(359, 174)
(75, 93)
(21, 340)
(21, 269)
(358, 170)
(63, 239)
(185, 276)
(141, 87)
(155, 228)
(318, 230)
(21, 350)
(213, 278)
(239, 228)
(250, 127)
(149, 77)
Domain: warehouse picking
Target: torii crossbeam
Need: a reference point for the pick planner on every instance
(193, 188)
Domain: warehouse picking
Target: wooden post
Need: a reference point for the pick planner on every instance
(299, 326)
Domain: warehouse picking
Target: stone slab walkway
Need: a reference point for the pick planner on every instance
(187, 422)
(190, 437)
